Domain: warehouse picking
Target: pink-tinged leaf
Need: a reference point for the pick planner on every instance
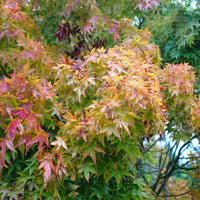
(32, 122)
(9, 111)
(4, 58)
(18, 32)
(87, 28)
(62, 170)
(47, 165)
(22, 113)
(25, 139)
(45, 87)
(26, 55)
(36, 3)
(113, 29)
(156, 3)
(91, 58)
(116, 36)
(47, 170)
(42, 138)
(115, 32)
(3, 150)
(70, 6)
(31, 55)
(4, 87)
(94, 20)
(19, 81)
(9, 144)
(3, 145)
(146, 4)
(9, 35)
(2, 34)
(83, 135)
(27, 106)
(18, 16)
(52, 166)
(140, 6)
(12, 128)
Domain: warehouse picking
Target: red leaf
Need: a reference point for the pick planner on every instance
(22, 113)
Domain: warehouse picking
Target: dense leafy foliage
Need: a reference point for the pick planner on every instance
(179, 42)
(75, 113)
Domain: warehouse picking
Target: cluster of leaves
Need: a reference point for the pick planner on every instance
(20, 49)
(84, 121)
(66, 32)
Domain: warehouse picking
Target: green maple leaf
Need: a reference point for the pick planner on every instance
(86, 168)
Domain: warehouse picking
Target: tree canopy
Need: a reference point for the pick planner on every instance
(84, 93)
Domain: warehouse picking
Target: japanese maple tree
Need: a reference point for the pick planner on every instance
(81, 117)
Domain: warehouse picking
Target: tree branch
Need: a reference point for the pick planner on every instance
(177, 195)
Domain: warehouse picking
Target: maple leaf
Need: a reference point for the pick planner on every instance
(61, 167)
(22, 113)
(4, 86)
(86, 169)
(25, 139)
(47, 165)
(27, 105)
(32, 122)
(12, 128)
(26, 55)
(115, 32)
(3, 150)
(3, 144)
(42, 138)
(87, 28)
(18, 16)
(59, 143)
(90, 151)
(9, 111)
(92, 58)
(94, 20)
(19, 32)
(146, 4)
